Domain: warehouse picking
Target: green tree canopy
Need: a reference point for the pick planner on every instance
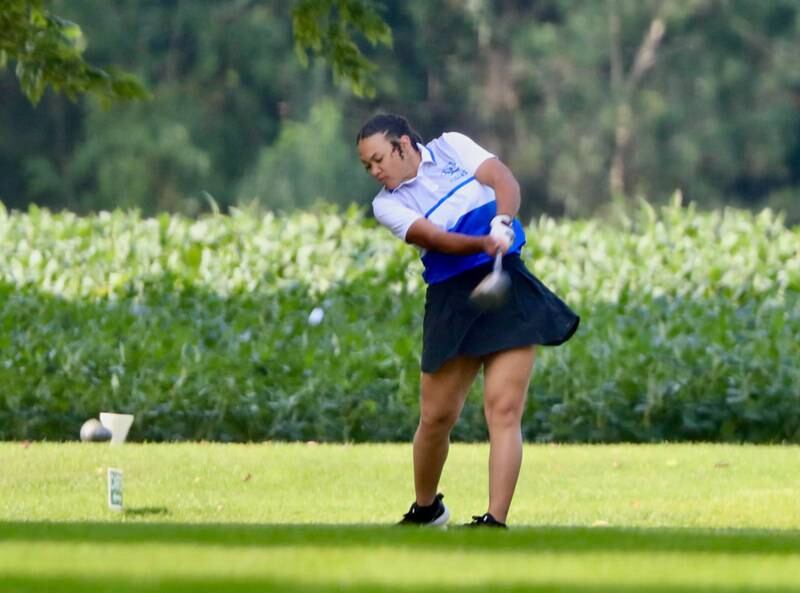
(48, 50)
(593, 105)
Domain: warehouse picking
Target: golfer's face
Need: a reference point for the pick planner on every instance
(382, 160)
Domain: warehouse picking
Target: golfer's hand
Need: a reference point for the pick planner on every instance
(491, 245)
(501, 231)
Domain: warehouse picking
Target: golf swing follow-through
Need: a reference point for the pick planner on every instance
(492, 290)
(484, 310)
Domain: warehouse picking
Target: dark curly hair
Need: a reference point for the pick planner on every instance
(392, 126)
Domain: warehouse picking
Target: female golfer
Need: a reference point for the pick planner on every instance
(457, 203)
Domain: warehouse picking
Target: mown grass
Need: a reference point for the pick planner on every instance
(715, 486)
(305, 517)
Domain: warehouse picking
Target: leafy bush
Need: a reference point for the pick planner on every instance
(689, 328)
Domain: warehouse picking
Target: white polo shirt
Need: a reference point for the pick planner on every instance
(445, 192)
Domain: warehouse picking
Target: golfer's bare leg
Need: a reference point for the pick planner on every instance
(506, 378)
(442, 397)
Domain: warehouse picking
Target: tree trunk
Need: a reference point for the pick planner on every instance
(623, 88)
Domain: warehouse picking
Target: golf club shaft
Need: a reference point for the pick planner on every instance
(498, 262)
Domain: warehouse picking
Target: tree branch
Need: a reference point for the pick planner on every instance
(646, 54)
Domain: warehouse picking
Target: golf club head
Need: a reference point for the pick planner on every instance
(492, 290)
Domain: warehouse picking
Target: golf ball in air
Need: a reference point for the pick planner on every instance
(316, 315)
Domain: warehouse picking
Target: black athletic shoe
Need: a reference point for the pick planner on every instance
(433, 515)
(486, 520)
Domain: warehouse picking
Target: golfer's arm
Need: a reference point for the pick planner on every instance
(427, 235)
(495, 174)
(491, 172)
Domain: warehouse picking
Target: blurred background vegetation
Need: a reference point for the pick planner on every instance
(163, 111)
(592, 103)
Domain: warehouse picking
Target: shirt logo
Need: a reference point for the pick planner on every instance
(452, 170)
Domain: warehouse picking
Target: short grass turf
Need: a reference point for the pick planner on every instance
(306, 517)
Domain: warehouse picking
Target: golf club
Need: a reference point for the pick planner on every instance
(492, 290)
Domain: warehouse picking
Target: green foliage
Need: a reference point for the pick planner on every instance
(706, 108)
(310, 162)
(166, 153)
(590, 103)
(138, 156)
(326, 28)
(689, 327)
(692, 324)
(141, 157)
(48, 51)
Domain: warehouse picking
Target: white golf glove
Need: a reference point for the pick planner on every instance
(501, 230)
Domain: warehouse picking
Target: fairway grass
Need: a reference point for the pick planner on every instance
(307, 517)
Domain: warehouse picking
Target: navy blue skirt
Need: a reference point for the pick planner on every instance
(453, 326)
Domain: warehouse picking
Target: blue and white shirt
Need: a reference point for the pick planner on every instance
(445, 192)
